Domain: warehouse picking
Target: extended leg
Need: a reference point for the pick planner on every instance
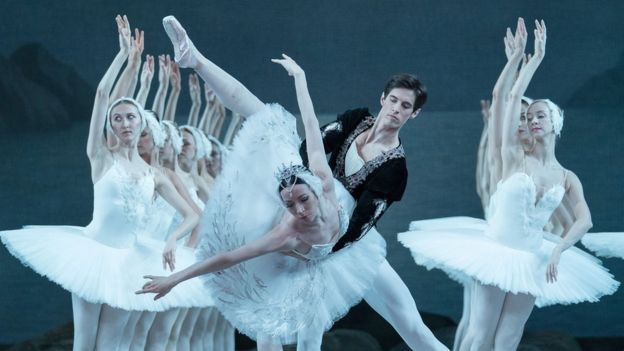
(392, 300)
(232, 93)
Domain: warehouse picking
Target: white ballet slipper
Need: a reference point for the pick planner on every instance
(183, 48)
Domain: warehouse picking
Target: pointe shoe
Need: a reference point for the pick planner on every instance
(183, 47)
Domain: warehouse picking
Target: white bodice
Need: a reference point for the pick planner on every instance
(346, 204)
(516, 216)
(353, 161)
(121, 203)
(160, 219)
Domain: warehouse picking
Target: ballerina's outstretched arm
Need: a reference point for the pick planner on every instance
(176, 86)
(96, 142)
(511, 150)
(501, 98)
(164, 66)
(315, 149)
(147, 74)
(196, 101)
(206, 115)
(126, 84)
(232, 93)
(220, 114)
(232, 127)
(278, 239)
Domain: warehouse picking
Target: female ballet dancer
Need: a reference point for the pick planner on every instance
(513, 263)
(277, 298)
(488, 167)
(98, 264)
(387, 287)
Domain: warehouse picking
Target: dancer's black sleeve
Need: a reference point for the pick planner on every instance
(380, 191)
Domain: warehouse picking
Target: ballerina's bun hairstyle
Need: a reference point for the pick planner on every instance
(556, 114)
(158, 134)
(174, 136)
(124, 100)
(410, 82)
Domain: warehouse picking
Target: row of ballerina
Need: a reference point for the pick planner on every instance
(175, 203)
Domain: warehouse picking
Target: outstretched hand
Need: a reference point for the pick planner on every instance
(289, 65)
(147, 73)
(517, 42)
(540, 39)
(209, 94)
(164, 67)
(125, 37)
(194, 89)
(160, 286)
(137, 45)
(175, 77)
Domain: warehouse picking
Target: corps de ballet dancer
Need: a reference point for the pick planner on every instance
(515, 264)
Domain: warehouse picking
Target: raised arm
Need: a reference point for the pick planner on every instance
(204, 121)
(232, 127)
(511, 143)
(176, 86)
(275, 240)
(317, 161)
(158, 106)
(196, 101)
(126, 84)
(147, 74)
(216, 116)
(95, 140)
(221, 115)
(514, 50)
(482, 175)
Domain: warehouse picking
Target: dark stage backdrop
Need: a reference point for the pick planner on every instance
(348, 48)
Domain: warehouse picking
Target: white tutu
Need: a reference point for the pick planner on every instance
(277, 295)
(105, 262)
(511, 251)
(605, 244)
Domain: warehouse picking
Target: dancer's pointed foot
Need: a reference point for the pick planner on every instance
(183, 48)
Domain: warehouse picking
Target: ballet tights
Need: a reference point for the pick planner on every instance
(390, 298)
(497, 319)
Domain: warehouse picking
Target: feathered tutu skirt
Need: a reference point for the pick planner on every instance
(277, 295)
(459, 247)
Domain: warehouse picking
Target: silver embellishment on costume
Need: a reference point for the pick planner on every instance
(286, 172)
(332, 127)
(353, 181)
(380, 207)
